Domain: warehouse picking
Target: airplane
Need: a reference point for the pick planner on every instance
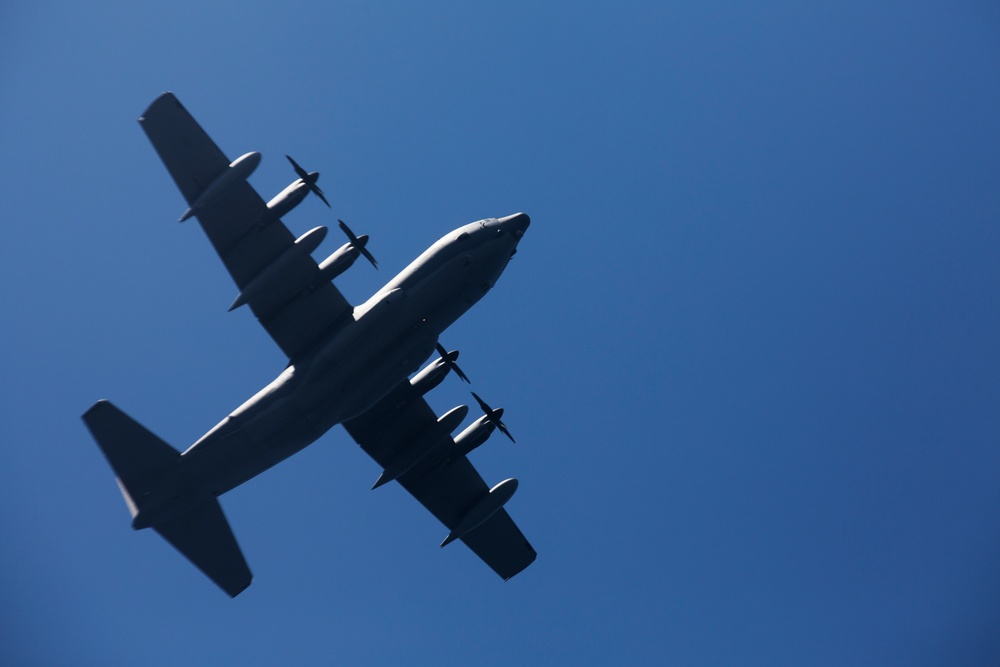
(350, 365)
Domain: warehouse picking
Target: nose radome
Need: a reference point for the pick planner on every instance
(516, 223)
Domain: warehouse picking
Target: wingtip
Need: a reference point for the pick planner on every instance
(159, 99)
(97, 406)
(233, 593)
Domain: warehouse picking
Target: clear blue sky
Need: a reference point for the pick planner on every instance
(748, 347)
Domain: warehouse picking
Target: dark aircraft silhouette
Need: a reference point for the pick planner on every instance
(349, 365)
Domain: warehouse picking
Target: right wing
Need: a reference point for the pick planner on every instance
(294, 321)
(448, 486)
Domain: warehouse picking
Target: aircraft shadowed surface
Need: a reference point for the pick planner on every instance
(349, 365)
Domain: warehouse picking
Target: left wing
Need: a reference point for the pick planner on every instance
(444, 482)
(299, 308)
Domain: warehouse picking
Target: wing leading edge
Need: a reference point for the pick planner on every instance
(446, 484)
(297, 308)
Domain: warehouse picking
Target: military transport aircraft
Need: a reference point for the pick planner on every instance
(349, 365)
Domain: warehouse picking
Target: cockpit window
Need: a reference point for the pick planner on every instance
(462, 236)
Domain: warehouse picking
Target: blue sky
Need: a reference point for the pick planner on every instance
(747, 348)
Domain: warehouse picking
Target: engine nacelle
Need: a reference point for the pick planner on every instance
(309, 241)
(278, 277)
(238, 170)
(284, 202)
(435, 437)
(431, 376)
(338, 262)
(475, 435)
(487, 506)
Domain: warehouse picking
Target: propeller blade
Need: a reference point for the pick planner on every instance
(503, 429)
(308, 179)
(319, 193)
(359, 243)
(302, 173)
(482, 404)
(347, 230)
(449, 361)
(368, 256)
(493, 416)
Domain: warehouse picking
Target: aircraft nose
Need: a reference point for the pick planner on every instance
(517, 224)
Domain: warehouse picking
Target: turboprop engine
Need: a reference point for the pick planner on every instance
(473, 436)
(433, 373)
(344, 256)
(284, 202)
(493, 416)
(293, 195)
(480, 430)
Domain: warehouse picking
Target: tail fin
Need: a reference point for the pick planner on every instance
(140, 461)
(139, 458)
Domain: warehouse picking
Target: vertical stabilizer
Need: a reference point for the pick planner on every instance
(139, 458)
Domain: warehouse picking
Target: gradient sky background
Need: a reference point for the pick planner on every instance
(748, 347)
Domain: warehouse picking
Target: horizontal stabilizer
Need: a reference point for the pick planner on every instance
(205, 538)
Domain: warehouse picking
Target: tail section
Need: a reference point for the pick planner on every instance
(139, 458)
(157, 495)
(203, 535)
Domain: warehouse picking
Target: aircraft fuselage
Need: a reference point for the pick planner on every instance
(339, 378)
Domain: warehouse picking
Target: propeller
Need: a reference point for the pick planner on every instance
(449, 360)
(493, 416)
(359, 242)
(309, 178)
